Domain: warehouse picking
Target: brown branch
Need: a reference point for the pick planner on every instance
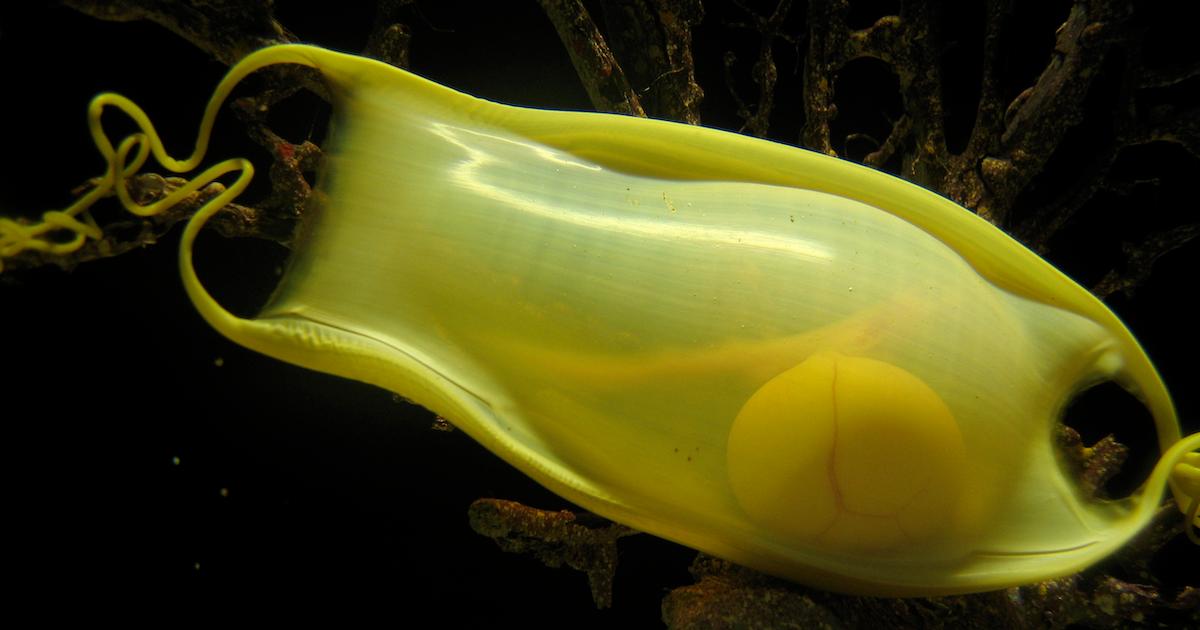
(290, 189)
(919, 70)
(1168, 77)
(1179, 126)
(827, 36)
(226, 29)
(877, 41)
(1132, 126)
(900, 130)
(654, 40)
(727, 595)
(595, 64)
(390, 39)
(555, 538)
(1140, 259)
(1045, 221)
(963, 180)
(743, 110)
(907, 43)
(1007, 148)
(1037, 230)
(764, 72)
(1055, 103)
(1136, 556)
(1091, 466)
(989, 114)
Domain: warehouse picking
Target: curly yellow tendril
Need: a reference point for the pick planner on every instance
(1185, 478)
(124, 162)
(1178, 469)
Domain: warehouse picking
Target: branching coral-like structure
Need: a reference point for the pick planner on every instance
(583, 542)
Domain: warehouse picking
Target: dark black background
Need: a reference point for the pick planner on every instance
(138, 467)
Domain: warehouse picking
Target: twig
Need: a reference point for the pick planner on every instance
(727, 595)
(1140, 259)
(764, 72)
(1092, 466)
(226, 29)
(653, 38)
(595, 64)
(555, 538)
(827, 35)
(880, 156)
(1055, 104)
(390, 38)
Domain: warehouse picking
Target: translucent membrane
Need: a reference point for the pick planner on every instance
(791, 361)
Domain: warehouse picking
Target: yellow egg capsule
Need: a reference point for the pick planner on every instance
(656, 321)
(848, 453)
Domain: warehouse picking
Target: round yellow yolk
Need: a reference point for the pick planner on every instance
(847, 452)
